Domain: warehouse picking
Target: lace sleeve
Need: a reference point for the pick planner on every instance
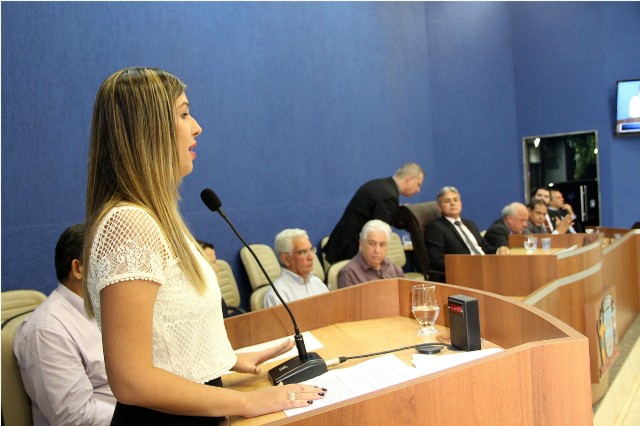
(128, 246)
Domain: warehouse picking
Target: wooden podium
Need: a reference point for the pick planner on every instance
(557, 240)
(542, 376)
(569, 285)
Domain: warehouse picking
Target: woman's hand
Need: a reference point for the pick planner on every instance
(250, 362)
(277, 398)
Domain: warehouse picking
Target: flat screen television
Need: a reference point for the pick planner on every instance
(628, 107)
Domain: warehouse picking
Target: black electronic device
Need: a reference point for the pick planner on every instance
(306, 365)
(464, 322)
(429, 349)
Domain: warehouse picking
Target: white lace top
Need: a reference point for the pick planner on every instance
(189, 338)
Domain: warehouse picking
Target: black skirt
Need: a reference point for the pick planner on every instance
(131, 415)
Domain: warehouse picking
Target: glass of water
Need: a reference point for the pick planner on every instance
(530, 243)
(425, 308)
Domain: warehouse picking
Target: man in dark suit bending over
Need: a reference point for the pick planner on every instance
(451, 234)
(376, 199)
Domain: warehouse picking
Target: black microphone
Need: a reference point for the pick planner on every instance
(306, 365)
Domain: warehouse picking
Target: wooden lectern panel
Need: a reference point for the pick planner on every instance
(621, 267)
(542, 377)
(520, 273)
(557, 240)
(563, 282)
(509, 275)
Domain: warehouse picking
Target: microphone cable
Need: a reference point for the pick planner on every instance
(339, 360)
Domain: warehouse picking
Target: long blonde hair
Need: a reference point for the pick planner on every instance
(133, 159)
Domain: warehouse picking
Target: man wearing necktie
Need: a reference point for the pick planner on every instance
(452, 234)
(553, 223)
(560, 209)
(537, 213)
(543, 194)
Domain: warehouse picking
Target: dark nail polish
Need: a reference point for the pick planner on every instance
(321, 393)
(309, 402)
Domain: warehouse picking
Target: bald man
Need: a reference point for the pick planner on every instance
(514, 220)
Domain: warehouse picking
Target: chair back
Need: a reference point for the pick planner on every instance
(256, 300)
(318, 270)
(17, 306)
(15, 302)
(395, 251)
(332, 274)
(228, 286)
(267, 258)
(16, 405)
(415, 218)
(325, 264)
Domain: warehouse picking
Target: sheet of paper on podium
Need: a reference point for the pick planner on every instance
(428, 364)
(380, 372)
(368, 376)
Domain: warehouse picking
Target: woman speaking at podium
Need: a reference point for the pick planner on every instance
(147, 282)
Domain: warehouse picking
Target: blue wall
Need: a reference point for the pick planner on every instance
(302, 102)
(567, 59)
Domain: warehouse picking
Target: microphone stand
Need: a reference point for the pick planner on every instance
(306, 365)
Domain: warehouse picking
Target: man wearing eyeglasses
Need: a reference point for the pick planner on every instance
(371, 262)
(295, 253)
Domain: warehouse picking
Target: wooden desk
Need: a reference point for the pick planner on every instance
(542, 377)
(557, 240)
(563, 284)
(520, 251)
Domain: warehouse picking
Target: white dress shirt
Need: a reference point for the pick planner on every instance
(553, 225)
(292, 287)
(462, 230)
(59, 352)
(549, 224)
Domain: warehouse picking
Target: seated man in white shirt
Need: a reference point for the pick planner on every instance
(295, 253)
(59, 350)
